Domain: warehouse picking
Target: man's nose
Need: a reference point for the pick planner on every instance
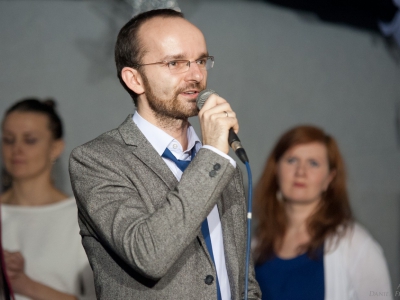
(195, 73)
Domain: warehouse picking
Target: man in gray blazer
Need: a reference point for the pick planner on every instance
(162, 215)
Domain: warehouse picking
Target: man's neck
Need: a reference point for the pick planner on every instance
(176, 128)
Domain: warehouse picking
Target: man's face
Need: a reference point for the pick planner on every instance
(172, 95)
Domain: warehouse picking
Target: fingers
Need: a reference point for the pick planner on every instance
(225, 118)
(213, 100)
(216, 118)
(14, 261)
(215, 107)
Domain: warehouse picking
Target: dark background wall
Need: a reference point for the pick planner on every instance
(277, 67)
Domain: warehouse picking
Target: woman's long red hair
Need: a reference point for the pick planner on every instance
(333, 212)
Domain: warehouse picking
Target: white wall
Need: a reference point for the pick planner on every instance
(276, 67)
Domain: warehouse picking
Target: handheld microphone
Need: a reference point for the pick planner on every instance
(233, 139)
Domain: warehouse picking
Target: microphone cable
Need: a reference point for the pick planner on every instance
(249, 218)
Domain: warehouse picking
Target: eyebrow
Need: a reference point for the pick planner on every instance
(182, 56)
(24, 133)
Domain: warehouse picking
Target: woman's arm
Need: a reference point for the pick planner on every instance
(368, 269)
(24, 285)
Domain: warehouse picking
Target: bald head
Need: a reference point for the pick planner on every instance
(169, 38)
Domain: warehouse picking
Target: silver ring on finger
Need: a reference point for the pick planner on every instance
(226, 113)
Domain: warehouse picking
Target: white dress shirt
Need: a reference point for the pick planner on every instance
(160, 140)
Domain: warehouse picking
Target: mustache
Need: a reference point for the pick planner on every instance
(192, 86)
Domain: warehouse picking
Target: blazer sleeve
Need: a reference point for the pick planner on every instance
(87, 290)
(113, 203)
(254, 291)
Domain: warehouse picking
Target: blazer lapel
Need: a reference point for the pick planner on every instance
(145, 152)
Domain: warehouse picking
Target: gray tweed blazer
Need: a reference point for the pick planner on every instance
(140, 227)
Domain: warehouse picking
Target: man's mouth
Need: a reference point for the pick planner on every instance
(190, 92)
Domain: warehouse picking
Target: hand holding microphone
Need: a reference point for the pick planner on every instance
(219, 124)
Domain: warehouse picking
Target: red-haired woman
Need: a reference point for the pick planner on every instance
(306, 244)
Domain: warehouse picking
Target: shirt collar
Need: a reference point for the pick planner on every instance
(159, 139)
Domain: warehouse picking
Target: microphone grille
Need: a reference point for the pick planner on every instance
(203, 96)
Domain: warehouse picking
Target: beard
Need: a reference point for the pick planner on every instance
(171, 108)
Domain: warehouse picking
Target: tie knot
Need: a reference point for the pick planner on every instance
(181, 164)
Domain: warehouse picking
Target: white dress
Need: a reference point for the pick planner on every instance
(48, 238)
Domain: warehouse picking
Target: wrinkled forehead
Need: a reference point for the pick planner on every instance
(171, 36)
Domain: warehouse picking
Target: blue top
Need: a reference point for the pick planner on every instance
(299, 278)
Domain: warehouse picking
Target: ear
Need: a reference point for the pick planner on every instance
(331, 176)
(57, 149)
(133, 80)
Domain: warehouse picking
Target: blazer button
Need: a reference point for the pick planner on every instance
(213, 173)
(209, 279)
(217, 166)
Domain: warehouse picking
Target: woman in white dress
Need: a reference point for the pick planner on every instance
(42, 247)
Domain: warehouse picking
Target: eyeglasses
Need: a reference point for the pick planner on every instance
(182, 66)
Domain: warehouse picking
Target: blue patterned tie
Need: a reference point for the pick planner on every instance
(182, 165)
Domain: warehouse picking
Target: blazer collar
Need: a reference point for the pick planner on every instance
(130, 132)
